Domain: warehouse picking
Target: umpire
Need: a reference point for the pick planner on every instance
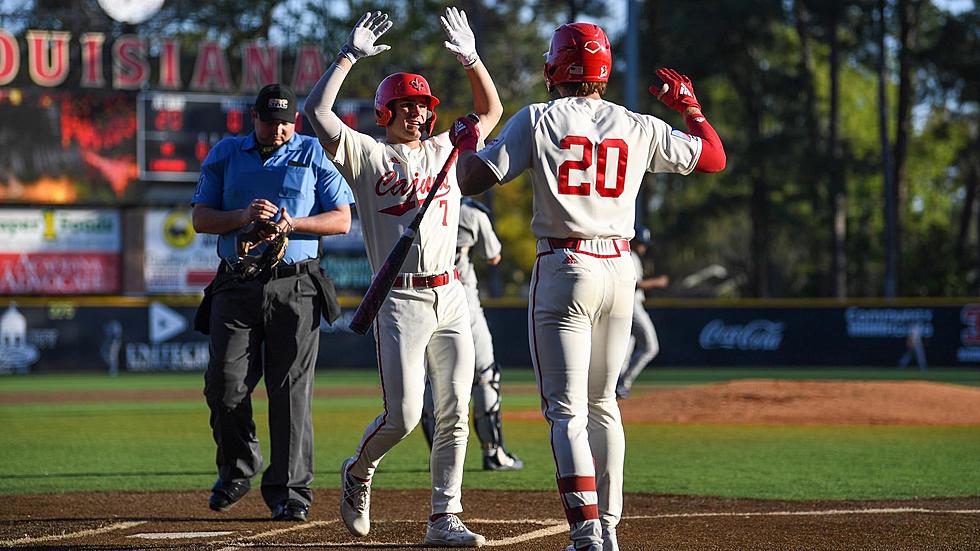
(267, 325)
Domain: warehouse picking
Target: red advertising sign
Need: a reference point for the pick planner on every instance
(59, 273)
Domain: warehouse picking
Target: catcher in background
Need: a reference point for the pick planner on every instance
(423, 327)
(263, 308)
(644, 345)
(476, 234)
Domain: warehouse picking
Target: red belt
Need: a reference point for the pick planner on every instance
(412, 281)
(572, 243)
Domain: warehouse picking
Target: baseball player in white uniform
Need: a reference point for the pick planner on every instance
(643, 342)
(476, 238)
(426, 309)
(586, 158)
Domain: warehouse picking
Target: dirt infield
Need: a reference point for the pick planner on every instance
(533, 521)
(526, 521)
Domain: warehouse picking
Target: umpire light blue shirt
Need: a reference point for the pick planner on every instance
(298, 176)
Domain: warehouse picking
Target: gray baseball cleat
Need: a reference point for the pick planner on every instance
(500, 460)
(592, 547)
(355, 502)
(609, 540)
(449, 531)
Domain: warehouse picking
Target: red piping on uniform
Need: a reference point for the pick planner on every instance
(537, 362)
(576, 515)
(712, 157)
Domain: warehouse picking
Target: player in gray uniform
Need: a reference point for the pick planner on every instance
(644, 345)
(476, 234)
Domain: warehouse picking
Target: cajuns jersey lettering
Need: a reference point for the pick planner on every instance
(590, 159)
(390, 182)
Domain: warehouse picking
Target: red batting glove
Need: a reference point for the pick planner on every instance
(677, 91)
(465, 132)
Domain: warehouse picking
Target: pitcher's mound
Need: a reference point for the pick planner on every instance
(765, 401)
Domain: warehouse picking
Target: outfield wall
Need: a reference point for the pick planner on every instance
(44, 334)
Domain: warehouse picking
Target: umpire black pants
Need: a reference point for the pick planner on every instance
(270, 328)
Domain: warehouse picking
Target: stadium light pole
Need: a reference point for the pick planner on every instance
(891, 199)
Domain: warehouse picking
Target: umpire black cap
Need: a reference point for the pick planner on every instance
(276, 102)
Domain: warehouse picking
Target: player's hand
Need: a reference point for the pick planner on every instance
(465, 132)
(461, 41)
(361, 41)
(677, 91)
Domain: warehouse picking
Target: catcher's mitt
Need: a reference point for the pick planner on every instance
(252, 236)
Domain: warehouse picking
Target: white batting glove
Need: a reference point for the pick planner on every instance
(361, 41)
(461, 40)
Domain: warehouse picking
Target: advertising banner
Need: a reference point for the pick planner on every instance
(59, 251)
(67, 147)
(147, 334)
(176, 259)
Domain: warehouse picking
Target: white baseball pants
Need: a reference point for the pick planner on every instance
(579, 315)
(410, 321)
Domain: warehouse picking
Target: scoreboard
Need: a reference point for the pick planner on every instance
(176, 130)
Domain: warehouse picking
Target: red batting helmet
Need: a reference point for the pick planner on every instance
(398, 86)
(580, 52)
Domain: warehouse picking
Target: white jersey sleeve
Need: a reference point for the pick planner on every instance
(586, 158)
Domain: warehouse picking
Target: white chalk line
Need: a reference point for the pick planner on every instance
(550, 527)
(826, 512)
(69, 535)
(244, 541)
(552, 530)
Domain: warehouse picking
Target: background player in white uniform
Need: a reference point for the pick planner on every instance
(643, 344)
(476, 235)
(586, 157)
(426, 309)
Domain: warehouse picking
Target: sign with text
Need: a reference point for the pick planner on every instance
(176, 259)
(59, 251)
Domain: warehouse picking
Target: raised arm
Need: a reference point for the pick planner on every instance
(462, 42)
(319, 104)
(677, 92)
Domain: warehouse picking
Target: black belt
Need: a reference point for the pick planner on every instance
(279, 270)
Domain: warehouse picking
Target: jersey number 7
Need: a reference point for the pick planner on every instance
(601, 154)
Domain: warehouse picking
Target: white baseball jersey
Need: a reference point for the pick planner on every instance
(587, 158)
(390, 182)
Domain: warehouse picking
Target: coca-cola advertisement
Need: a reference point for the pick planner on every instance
(754, 335)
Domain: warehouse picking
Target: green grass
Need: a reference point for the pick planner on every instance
(158, 445)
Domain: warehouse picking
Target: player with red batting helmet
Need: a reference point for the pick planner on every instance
(425, 311)
(586, 157)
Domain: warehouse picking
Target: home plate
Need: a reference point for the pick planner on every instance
(178, 535)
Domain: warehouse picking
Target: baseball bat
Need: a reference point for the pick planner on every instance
(375, 296)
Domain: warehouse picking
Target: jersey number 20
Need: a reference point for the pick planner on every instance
(601, 153)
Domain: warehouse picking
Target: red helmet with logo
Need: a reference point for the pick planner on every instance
(398, 86)
(580, 52)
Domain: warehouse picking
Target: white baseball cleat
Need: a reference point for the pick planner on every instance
(593, 547)
(449, 531)
(355, 502)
